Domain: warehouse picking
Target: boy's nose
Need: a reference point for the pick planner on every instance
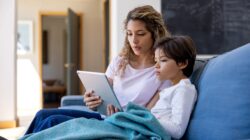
(157, 65)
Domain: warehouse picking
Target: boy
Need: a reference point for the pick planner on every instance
(175, 57)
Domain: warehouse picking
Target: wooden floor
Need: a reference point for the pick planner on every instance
(12, 133)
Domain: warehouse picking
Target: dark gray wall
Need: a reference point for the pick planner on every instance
(216, 26)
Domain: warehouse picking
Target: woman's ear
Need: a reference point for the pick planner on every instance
(183, 65)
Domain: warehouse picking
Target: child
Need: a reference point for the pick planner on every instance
(175, 57)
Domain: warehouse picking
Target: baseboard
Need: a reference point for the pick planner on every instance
(8, 124)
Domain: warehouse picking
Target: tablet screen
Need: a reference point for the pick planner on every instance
(98, 82)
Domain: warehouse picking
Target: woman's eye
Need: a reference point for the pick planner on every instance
(141, 34)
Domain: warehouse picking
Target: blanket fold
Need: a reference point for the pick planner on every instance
(136, 123)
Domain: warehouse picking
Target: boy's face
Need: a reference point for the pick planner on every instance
(167, 68)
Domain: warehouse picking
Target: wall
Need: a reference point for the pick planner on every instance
(119, 10)
(7, 63)
(215, 26)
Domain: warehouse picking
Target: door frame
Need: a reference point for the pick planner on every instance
(40, 52)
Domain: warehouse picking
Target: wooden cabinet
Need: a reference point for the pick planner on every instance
(52, 95)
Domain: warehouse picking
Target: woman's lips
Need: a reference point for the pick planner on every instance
(137, 48)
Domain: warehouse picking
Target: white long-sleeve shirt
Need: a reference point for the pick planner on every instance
(174, 107)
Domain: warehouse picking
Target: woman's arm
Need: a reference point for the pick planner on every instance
(153, 101)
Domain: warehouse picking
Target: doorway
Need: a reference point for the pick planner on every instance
(59, 56)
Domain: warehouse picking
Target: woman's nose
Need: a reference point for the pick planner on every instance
(135, 40)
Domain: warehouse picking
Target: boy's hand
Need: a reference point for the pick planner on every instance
(111, 109)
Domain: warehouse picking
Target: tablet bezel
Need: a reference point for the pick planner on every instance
(98, 82)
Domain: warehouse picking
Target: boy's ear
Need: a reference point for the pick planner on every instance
(183, 65)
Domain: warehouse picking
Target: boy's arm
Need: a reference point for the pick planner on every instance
(153, 101)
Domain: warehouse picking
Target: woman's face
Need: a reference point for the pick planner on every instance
(167, 68)
(140, 39)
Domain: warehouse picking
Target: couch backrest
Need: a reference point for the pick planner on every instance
(197, 71)
(222, 109)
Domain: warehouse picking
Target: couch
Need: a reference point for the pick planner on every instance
(222, 111)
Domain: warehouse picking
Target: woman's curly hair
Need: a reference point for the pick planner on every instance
(154, 24)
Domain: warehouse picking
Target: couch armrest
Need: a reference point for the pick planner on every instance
(72, 100)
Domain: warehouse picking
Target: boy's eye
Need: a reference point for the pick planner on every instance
(163, 60)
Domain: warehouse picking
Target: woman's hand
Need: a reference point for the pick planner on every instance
(92, 101)
(111, 110)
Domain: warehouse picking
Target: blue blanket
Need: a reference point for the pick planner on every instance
(134, 124)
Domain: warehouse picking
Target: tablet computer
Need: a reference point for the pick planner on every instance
(99, 83)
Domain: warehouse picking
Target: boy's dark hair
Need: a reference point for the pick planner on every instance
(179, 48)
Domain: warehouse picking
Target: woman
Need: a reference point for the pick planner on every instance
(130, 73)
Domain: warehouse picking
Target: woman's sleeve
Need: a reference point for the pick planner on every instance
(112, 67)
